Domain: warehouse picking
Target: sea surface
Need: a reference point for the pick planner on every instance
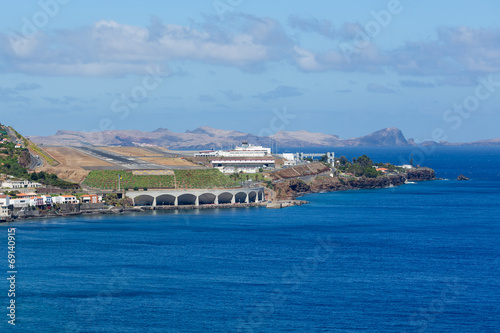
(422, 257)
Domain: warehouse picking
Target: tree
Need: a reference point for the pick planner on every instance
(343, 161)
(364, 161)
(370, 172)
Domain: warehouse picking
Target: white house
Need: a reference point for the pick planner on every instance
(4, 211)
(20, 203)
(70, 199)
(57, 200)
(4, 200)
(47, 200)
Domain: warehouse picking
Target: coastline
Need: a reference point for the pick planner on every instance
(294, 188)
(287, 194)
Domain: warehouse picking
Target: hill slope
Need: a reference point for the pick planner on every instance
(207, 137)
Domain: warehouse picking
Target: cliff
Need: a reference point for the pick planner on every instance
(290, 189)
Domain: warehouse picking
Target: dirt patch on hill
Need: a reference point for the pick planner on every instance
(73, 159)
(72, 175)
(71, 164)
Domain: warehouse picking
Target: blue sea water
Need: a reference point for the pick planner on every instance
(422, 257)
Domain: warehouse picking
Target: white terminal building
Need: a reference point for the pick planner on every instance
(246, 158)
(245, 150)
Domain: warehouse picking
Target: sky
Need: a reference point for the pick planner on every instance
(339, 67)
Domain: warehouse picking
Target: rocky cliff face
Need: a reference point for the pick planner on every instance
(421, 174)
(290, 189)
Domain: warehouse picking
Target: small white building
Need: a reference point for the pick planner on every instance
(47, 200)
(4, 200)
(406, 166)
(288, 159)
(70, 199)
(57, 200)
(245, 166)
(20, 184)
(4, 211)
(21, 203)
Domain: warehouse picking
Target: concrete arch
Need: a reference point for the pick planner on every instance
(165, 200)
(261, 195)
(144, 200)
(240, 197)
(187, 199)
(225, 198)
(207, 199)
(252, 196)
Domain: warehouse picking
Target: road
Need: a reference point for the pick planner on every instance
(35, 162)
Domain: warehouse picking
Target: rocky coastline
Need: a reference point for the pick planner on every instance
(291, 189)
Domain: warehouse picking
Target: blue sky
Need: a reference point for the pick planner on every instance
(347, 68)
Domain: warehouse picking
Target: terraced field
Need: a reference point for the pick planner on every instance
(192, 179)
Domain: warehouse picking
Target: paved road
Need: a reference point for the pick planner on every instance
(35, 162)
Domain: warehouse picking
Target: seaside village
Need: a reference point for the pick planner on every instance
(20, 196)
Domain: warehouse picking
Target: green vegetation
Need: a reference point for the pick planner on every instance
(108, 179)
(14, 161)
(243, 177)
(360, 167)
(52, 180)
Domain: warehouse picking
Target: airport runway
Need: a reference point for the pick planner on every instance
(131, 163)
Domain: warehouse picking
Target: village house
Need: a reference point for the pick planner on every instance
(90, 198)
(4, 200)
(4, 211)
(69, 199)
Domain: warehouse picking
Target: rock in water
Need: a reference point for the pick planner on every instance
(462, 177)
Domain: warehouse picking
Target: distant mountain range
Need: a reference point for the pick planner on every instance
(207, 138)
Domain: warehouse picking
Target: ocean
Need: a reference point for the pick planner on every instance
(422, 257)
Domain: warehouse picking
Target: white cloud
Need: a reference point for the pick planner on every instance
(109, 48)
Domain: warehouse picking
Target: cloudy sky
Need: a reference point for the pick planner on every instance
(340, 67)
